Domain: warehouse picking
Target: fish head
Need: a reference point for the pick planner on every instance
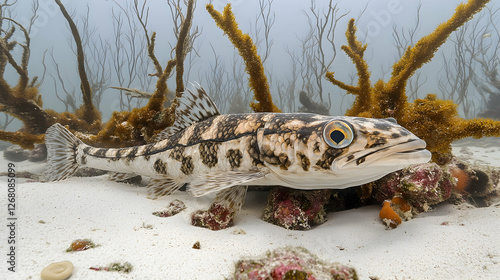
(373, 144)
(340, 152)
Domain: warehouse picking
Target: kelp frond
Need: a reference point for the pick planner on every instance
(248, 51)
(436, 121)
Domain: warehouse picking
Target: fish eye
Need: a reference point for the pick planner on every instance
(338, 134)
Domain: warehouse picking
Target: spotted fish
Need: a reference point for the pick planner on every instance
(222, 154)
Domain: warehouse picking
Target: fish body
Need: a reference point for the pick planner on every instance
(223, 153)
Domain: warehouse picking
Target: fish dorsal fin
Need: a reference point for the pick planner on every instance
(194, 106)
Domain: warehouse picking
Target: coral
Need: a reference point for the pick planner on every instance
(173, 208)
(435, 121)
(81, 245)
(248, 51)
(294, 209)
(125, 267)
(291, 263)
(217, 217)
(57, 271)
(421, 185)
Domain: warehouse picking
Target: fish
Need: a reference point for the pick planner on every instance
(223, 154)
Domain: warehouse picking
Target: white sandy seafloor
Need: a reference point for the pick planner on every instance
(118, 218)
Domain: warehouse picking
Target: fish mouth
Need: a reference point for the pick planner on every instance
(401, 154)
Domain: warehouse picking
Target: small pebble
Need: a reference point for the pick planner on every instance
(197, 245)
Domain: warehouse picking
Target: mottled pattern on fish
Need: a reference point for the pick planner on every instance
(223, 153)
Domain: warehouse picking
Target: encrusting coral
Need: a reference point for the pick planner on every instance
(291, 263)
(435, 121)
(248, 51)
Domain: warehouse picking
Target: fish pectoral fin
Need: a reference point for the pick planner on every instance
(164, 186)
(214, 182)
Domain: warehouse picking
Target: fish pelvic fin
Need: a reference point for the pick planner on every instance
(62, 148)
(162, 187)
(232, 198)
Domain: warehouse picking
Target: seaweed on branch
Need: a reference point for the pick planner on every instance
(248, 51)
(436, 121)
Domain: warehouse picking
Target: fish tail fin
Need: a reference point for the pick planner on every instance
(61, 153)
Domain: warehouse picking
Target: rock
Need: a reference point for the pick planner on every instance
(57, 271)
(39, 153)
(296, 209)
(16, 154)
(422, 185)
(216, 218)
(173, 208)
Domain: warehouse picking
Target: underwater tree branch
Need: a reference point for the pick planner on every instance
(133, 92)
(248, 51)
(88, 112)
(181, 47)
(143, 20)
(23, 139)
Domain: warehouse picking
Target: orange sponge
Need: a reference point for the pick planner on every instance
(389, 216)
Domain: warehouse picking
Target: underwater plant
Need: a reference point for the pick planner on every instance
(436, 121)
